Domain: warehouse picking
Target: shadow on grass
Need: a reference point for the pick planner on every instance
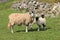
(31, 30)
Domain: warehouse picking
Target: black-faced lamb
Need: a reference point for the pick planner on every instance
(41, 21)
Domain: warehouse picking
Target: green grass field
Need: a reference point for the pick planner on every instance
(52, 32)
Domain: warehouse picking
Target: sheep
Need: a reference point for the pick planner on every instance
(19, 19)
(41, 21)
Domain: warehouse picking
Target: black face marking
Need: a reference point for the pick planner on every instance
(42, 16)
(37, 18)
(32, 12)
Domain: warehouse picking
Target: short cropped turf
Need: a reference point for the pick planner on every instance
(52, 32)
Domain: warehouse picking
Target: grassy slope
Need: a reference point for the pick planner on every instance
(52, 33)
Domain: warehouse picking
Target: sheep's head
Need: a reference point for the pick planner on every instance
(42, 15)
(32, 14)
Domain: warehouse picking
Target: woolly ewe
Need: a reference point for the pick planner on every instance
(18, 19)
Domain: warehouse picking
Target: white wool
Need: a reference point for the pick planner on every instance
(41, 21)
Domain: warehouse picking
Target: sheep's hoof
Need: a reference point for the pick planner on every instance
(12, 32)
(38, 29)
(26, 31)
(44, 28)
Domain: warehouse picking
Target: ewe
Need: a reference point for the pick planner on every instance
(18, 19)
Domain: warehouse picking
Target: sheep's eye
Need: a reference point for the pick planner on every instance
(32, 11)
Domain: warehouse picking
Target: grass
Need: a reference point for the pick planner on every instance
(52, 32)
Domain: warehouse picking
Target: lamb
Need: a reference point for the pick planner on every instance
(41, 21)
(19, 19)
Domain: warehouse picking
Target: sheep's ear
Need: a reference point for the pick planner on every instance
(31, 13)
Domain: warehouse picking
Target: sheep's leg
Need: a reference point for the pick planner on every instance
(44, 26)
(10, 27)
(30, 25)
(26, 28)
(39, 27)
